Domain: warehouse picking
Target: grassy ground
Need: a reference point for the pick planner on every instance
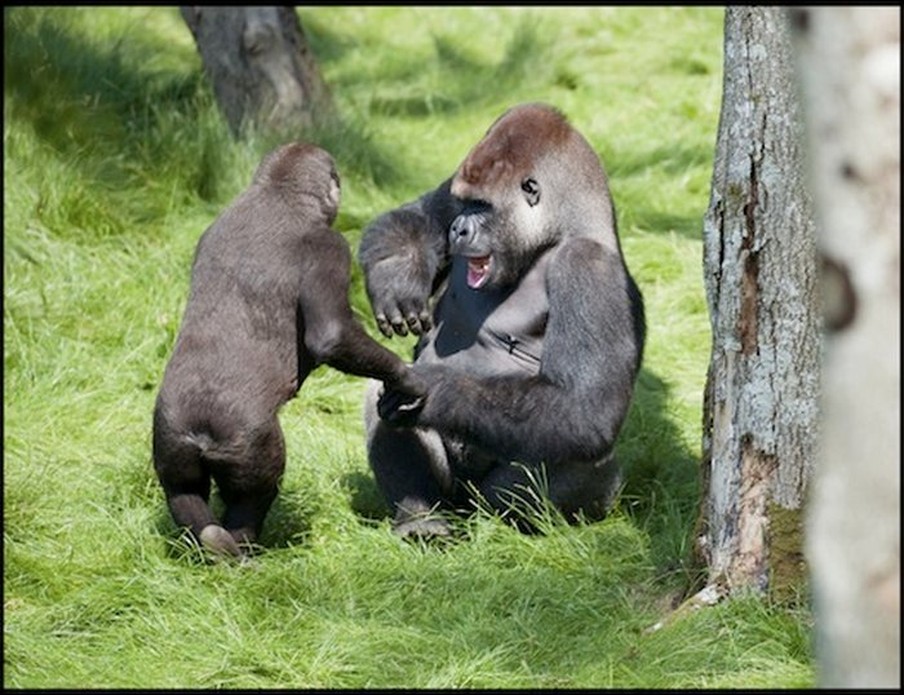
(115, 160)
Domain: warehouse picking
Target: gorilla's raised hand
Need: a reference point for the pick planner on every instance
(399, 285)
(399, 307)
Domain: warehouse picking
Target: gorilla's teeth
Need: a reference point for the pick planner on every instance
(478, 271)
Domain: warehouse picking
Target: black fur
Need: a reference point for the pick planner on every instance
(535, 340)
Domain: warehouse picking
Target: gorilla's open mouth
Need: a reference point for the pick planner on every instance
(479, 271)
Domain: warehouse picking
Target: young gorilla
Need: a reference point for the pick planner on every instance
(535, 340)
(268, 304)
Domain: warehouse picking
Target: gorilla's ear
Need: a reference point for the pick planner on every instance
(531, 191)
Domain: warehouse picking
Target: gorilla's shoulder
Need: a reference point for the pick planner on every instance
(580, 248)
(582, 261)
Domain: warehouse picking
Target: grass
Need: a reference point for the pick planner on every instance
(116, 159)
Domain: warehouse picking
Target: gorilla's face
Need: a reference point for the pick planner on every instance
(469, 237)
(501, 236)
(511, 185)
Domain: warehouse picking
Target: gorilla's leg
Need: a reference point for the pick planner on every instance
(411, 469)
(248, 487)
(585, 488)
(245, 513)
(185, 479)
(516, 492)
(188, 503)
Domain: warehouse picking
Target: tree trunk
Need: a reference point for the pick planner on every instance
(262, 70)
(849, 59)
(760, 403)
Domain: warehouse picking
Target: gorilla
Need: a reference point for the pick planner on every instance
(531, 332)
(268, 304)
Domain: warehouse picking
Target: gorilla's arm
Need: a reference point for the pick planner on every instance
(573, 409)
(329, 330)
(404, 255)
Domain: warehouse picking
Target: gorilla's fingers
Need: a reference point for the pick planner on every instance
(426, 321)
(408, 383)
(406, 413)
(414, 324)
(412, 309)
(411, 407)
(383, 325)
(398, 325)
(392, 325)
(388, 405)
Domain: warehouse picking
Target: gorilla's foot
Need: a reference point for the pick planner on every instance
(415, 518)
(219, 542)
(423, 528)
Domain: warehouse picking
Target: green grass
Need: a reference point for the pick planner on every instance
(116, 159)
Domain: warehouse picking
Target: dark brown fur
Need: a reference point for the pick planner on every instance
(511, 145)
(268, 304)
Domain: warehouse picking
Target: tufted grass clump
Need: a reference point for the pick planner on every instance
(116, 159)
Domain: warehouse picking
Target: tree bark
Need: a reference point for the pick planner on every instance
(849, 61)
(262, 70)
(760, 404)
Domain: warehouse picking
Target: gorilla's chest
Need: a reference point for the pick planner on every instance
(490, 331)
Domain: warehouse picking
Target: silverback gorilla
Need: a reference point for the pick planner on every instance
(268, 304)
(535, 338)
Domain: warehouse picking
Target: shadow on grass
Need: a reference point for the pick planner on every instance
(90, 104)
(366, 499)
(74, 95)
(661, 492)
(462, 79)
(94, 103)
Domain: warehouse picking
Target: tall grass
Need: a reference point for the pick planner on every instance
(116, 159)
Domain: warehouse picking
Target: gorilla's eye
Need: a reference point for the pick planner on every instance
(475, 207)
(531, 191)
